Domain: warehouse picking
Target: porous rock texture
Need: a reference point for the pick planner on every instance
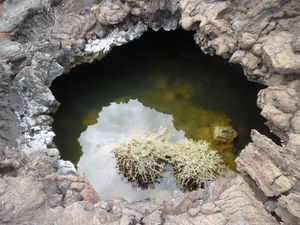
(41, 39)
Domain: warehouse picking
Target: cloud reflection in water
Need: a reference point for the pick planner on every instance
(116, 123)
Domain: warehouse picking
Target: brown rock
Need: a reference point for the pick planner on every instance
(22, 201)
(196, 11)
(71, 197)
(295, 122)
(293, 145)
(237, 56)
(277, 117)
(79, 213)
(77, 185)
(283, 170)
(268, 177)
(223, 45)
(257, 49)
(229, 200)
(278, 155)
(246, 59)
(289, 208)
(247, 40)
(224, 134)
(187, 22)
(279, 54)
(153, 218)
(69, 177)
(111, 12)
(282, 97)
(89, 194)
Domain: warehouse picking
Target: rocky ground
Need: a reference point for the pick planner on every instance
(41, 39)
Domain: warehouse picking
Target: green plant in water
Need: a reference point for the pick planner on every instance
(194, 163)
(141, 160)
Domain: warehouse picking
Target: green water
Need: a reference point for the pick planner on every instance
(165, 71)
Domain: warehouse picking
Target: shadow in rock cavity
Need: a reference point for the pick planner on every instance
(165, 71)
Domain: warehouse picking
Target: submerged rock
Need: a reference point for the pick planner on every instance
(224, 134)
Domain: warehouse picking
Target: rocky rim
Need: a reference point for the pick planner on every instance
(42, 39)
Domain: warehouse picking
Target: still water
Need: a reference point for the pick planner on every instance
(167, 72)
(118, 123)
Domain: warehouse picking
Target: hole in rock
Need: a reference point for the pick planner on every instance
(169, 76)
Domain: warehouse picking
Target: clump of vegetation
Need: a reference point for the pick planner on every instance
(141, 160)
(195, 163)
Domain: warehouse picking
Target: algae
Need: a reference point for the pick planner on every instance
(90, 117)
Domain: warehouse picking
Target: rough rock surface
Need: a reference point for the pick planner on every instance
(40, 39)
(224, 134)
